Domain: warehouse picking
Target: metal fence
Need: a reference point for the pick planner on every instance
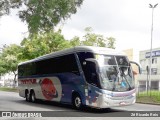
(143, 91)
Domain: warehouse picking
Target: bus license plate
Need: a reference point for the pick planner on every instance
(122, 103)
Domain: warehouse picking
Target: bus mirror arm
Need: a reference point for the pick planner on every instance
(139, 67)
(91, 60)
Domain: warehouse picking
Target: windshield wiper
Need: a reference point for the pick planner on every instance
(114, 86)
(123, 76)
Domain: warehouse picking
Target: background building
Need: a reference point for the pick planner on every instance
(1, 81)
(7, 80)
(144, 58)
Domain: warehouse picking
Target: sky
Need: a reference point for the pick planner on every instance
(128, 21)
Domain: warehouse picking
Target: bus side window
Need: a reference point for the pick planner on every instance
(61, 64)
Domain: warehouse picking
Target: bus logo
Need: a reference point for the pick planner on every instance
(48, 89)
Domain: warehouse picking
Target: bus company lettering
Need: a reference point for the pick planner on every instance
(28, 81)
(48, 89)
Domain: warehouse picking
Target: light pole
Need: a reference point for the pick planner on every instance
(150, 66)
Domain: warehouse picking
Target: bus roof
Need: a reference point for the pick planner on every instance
(98, 50)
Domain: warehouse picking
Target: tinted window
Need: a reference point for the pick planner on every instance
(27, 69)
(88, 68)
(84, 55)
(61, 64)
(109, 60)
(122, 61)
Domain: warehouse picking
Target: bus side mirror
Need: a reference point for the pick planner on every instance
(139, 67)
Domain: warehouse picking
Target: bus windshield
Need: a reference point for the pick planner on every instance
(115, 73)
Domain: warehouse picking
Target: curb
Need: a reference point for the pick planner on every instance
(149, 103)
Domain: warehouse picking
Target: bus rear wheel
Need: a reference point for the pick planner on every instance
(77, 101)
(32, 97)
(27, 96)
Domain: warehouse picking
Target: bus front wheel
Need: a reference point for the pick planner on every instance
(77, 101)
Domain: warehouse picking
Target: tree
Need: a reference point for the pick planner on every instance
(75, 41)
(111, 42)
(41, 15)
(2, 66)
(9, 59)
(93, 39)
(4, 7)
(30, 48)
(45, 43)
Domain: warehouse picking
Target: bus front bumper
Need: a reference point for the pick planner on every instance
(106, 101)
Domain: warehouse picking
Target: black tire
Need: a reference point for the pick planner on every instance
(27, 96)
(77, 101)
(32, 97)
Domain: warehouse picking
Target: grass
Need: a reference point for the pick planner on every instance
(152, 97)
(8, 89)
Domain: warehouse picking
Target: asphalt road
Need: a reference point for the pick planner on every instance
(10, 101)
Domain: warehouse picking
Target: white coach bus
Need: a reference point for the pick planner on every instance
(82, 76)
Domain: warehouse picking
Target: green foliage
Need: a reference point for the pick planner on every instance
(52, 41)
(2, 66)
(41, 15)
(9, 59)
(45, 43)
(93, 39)
(111, 42)
(75, 41)
(4, 7)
